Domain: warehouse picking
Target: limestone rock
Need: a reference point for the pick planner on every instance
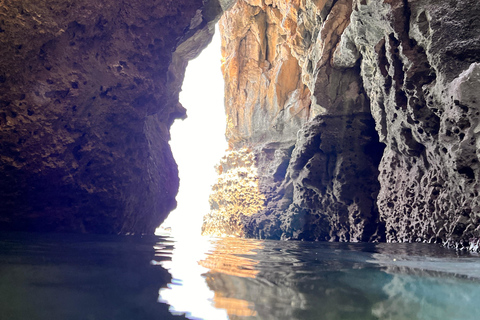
(306, 120)
(88, 91)
(408, 69)
(264, 95)
(420, 80)
(330, 187)
(234, 196)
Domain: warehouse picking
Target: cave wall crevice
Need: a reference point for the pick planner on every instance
(318, 174)
(429, 168)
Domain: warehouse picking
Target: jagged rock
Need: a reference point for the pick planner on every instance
(234, 196)
(265, 98)
(88, 91)
(411, 66)
(331, 182)
(315, 144)
(420, 80)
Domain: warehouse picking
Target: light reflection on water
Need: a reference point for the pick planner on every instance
(254, 279)
(195, 265)
(48, 276)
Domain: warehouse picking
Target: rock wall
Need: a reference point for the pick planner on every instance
(307, 123)
(88, 91)
(235, 195)
(420, 67)
(353, 120)
(362, 116)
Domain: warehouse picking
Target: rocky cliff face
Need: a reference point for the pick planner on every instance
(420, 71)
(88, 91)
(348, 120)
(235, 195)
(362, 116)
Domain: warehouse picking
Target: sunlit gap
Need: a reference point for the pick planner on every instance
(198, 142)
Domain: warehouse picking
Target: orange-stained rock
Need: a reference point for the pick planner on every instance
(264, 95)
(351, 105)
(280, 77)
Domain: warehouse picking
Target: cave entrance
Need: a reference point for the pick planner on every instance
(198, 142)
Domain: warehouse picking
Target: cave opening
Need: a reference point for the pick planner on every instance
(198, 142)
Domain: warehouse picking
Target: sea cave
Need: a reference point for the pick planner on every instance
(351, 126)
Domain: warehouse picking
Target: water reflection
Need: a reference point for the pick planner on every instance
(231, 256)
(252, 279)
(113, 277)
(62, 276)
(188, 292)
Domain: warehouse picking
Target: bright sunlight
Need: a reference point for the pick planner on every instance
(198, 142)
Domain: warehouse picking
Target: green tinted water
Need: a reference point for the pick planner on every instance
(114, 277)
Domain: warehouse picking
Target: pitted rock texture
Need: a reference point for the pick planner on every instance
(330, 187)
(409, 69)
(88, 91)
(419, 62)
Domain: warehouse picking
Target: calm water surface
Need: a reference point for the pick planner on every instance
(113, 277)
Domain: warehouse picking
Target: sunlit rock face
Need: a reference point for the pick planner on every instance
(234, 196)
(372, 134)
(264, 95)
(88, 91)
(307, 122)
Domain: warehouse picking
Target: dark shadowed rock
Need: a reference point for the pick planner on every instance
(88, 91)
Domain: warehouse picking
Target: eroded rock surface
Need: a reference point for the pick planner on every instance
(360, 117)
(420, 68)
(88, 91)
(307, 122)
(383, 139)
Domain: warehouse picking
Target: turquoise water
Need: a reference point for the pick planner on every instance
(115, 277)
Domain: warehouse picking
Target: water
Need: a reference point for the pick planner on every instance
(113, 277)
